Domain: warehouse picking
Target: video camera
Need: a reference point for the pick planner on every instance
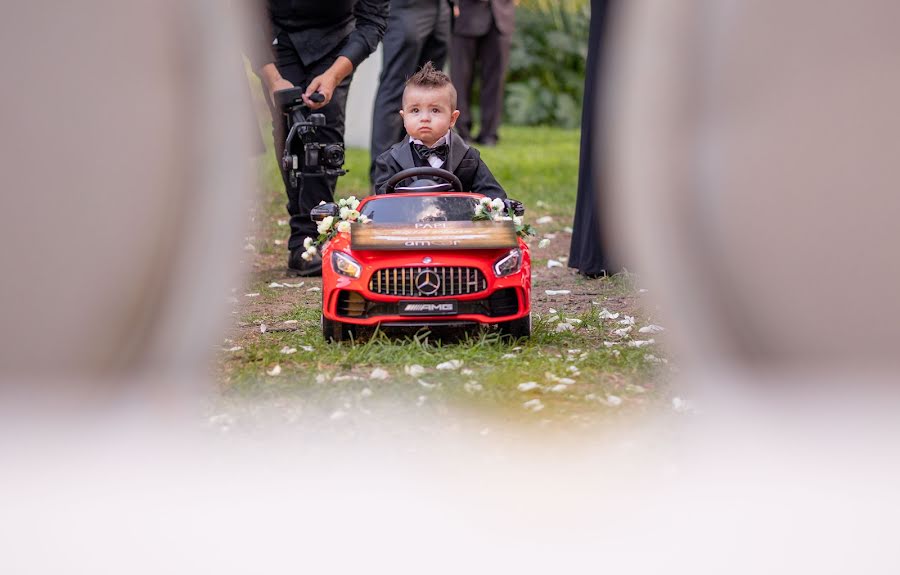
(304, 155)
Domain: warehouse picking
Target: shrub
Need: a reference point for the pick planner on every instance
(545, 82)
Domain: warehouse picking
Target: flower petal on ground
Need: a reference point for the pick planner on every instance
(290, 322)
(262, 328)
(641, 342)
(557, 291)
(543, 243)
(235, 348)
(529, 386)
(314, 289)
(606, 314)
(628, 320)
(274, 371)
(652, 329)
(563, 326)
(622, 332)
(450, 365)
(253, 294)
(544, 220)
(613, 400)
(306, 348)
(379, 373)
(534, 405)
(288, 350)
(554, 264)
(414, 370)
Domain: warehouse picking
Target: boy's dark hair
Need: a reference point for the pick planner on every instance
(430, 77)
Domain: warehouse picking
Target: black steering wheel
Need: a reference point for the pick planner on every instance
(448, 177)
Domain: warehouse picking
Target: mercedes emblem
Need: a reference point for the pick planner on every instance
(428, 282)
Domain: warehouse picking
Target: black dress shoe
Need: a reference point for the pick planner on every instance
(300, 267)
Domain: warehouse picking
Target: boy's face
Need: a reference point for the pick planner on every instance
(427, 114)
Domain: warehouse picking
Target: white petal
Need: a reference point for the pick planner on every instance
(508, 356)
(282, 222)
(379, 373)
(563, 326)
(263, 327)
(450, 365)
(567, 229)
(543, 243)
(557, 291)
(290, 321)
(529, 386)
(534, 405)
(288, 350)
(574, 320)
(414, 370)
(254, 294)
(606, 314)
(274, 371)
(235, 348)
(314, 289)
(554, 264)
(306, 348)
(544, 220)
(552, 311)
(613, 400)
(651, 329)
(622, 332)
(366, 392)
(275, 285)
(473, 386)
(641, 342)
(558, 388)
(466, 371)
(629, 320)
(427, 385)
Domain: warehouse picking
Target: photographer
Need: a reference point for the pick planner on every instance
(317, 45)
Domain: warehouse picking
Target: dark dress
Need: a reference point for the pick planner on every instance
(589, 252)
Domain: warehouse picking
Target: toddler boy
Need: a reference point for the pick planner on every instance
(429, 111)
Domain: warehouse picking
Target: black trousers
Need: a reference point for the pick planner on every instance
(418, 31)
(491, 51)
(313, 189)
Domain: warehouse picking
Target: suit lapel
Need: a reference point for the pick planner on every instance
(458, 149)
(402, 153)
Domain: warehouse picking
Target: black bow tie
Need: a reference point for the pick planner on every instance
(425, 152)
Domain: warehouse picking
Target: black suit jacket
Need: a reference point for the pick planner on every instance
(475, 17)
(464, 161)
(316, 27)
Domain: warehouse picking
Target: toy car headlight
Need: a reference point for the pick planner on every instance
(345, 265)
(509, 263)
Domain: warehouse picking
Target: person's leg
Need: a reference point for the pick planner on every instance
(494, 57)
(462, 64)
(437, 42)
(320, 189)
(291, 69)
(402, 44)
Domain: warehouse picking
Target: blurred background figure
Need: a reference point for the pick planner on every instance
(123, 210)
(482, 34)
(589, 252)
(418, 31)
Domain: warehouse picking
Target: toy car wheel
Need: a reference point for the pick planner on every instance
(516, 328)
(336, 330)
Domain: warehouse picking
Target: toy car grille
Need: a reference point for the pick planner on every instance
(428, 281)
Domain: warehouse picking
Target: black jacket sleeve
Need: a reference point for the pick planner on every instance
(371, 20)
(385, 167)
(485, 183)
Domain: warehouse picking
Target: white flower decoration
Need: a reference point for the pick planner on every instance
(354, 203)
(363, 219)
(352, 215)
(517, 220)
(343, 212)
(307, 242)
(343, 227)
(312, 250)
(306, 256)
(485, 201)
(325, 224)
(497, 204)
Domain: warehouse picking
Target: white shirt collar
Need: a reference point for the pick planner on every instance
(441, 140)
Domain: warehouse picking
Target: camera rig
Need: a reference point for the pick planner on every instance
(304, 154)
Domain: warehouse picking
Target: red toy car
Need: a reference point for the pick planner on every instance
(421, 261)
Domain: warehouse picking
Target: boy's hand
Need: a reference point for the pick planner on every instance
(326, 82)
